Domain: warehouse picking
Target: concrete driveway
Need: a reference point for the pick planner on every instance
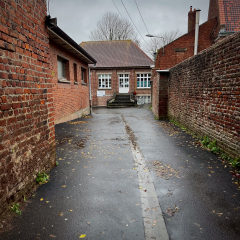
(124, 175)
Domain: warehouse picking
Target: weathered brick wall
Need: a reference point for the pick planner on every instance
(102, 101)
(204, 94)
(71, 100)
(27, 138)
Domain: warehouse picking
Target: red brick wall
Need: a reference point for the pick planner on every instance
(102, 101)
(213, 10)
(204, 94)
(183, 47)
(27, 137)
(70, 99)
(191, 19)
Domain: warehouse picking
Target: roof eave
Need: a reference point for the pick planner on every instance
(63, 40)
(126, 67)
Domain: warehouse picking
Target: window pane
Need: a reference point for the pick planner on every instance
(61, 69)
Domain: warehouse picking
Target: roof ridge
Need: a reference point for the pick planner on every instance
(101, 41)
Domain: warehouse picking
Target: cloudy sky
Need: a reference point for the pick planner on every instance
(78, 17)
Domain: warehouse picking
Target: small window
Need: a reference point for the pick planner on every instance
(143, 99)
(104, 81)
(84, 75)
(63, 69)
(75, 72)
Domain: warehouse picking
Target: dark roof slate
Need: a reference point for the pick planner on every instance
(121, 53)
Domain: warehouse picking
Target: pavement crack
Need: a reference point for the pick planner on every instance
(154, 225)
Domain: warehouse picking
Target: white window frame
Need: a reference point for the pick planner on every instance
(107, 78)
(140, 78)
(143, 99)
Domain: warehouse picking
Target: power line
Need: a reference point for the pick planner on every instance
(133, 22)
(117, 8)
(141, 17)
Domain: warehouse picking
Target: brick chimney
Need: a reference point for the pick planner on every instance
(191, 19)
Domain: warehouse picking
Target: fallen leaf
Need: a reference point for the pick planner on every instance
(64, 186)
(41, 199)
(83, 236)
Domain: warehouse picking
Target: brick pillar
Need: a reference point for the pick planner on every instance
(163, 95)
(155, 93)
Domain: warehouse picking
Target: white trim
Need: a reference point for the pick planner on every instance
(143, 73)
(104, 73)
(122, 81)
(167, 70)
(141, 80)
(124, 73)
(108, 80)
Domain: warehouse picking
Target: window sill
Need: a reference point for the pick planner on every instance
(63, 80)
(104, 88)
(76, 83)
(143, 88)
(83, 83)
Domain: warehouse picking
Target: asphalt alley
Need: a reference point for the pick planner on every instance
(124, 175)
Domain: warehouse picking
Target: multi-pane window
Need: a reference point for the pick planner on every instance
(143, 80)
(143, 99)
(104, 81)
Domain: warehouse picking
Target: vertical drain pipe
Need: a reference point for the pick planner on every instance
(196, 31)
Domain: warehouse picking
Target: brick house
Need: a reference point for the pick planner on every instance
(223, 20)
(70, 75)
(122, 67)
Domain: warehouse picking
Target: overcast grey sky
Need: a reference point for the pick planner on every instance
(78, 17)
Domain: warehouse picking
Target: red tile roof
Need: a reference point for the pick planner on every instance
(229, 12)
(122, 53)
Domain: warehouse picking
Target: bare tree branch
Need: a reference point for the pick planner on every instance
(154, 43)
(112, 27)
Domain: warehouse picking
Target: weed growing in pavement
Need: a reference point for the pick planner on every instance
(205, 141)
(42, 178)
(211, 146)
(235, 162)
(15, 207)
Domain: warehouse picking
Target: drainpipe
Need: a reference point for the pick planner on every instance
(90, 94)
(196, 31)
